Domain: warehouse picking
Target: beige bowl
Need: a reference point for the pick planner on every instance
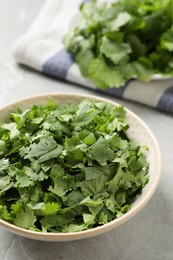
(138, 130)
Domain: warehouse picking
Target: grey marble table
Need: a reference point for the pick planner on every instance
(148, 235)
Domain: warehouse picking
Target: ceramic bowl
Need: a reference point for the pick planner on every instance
(138, 130)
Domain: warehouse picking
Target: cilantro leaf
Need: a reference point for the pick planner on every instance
(51, 154)
(4, 181)
(117, 52)
(58, 222)
(166, 40)
(46, 209)
(92, 173)
(83, 58)
(23, 181)
(94, 186)
(122, 19)
(25, 218)
(101, 151)
(74, 228)
(4, 213)
(12, 127)
(89, 219)
(4, 166)
(105, 76)
(46, 145)
(141, 69)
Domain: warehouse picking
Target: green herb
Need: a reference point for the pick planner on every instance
(68, 168)
(122, 40)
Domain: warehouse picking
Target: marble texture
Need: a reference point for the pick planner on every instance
(148, 235)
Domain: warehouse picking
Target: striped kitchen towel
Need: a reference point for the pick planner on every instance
(41, 48)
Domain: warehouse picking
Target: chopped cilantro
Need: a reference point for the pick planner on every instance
(117, 41)
(68, 168)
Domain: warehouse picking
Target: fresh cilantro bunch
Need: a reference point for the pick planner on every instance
(123, 40)
(68, 168)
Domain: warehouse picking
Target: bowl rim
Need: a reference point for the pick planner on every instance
(62, 237)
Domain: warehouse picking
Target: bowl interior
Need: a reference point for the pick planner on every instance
(138, 131)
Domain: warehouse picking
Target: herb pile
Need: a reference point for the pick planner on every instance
(123, 40)
(68, 168)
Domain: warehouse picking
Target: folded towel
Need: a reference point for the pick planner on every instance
(41, 48)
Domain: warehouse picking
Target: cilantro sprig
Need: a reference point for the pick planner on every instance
(123, 40)
(68, 168)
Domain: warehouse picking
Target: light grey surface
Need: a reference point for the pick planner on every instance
(148, 235)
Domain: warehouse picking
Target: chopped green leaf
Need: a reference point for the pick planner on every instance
(46, 145)
(70, 168)
(101, 152)
(25, 218)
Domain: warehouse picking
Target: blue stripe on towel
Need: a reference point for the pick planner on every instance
(59, 64)
(116, 92)
(166, 101)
